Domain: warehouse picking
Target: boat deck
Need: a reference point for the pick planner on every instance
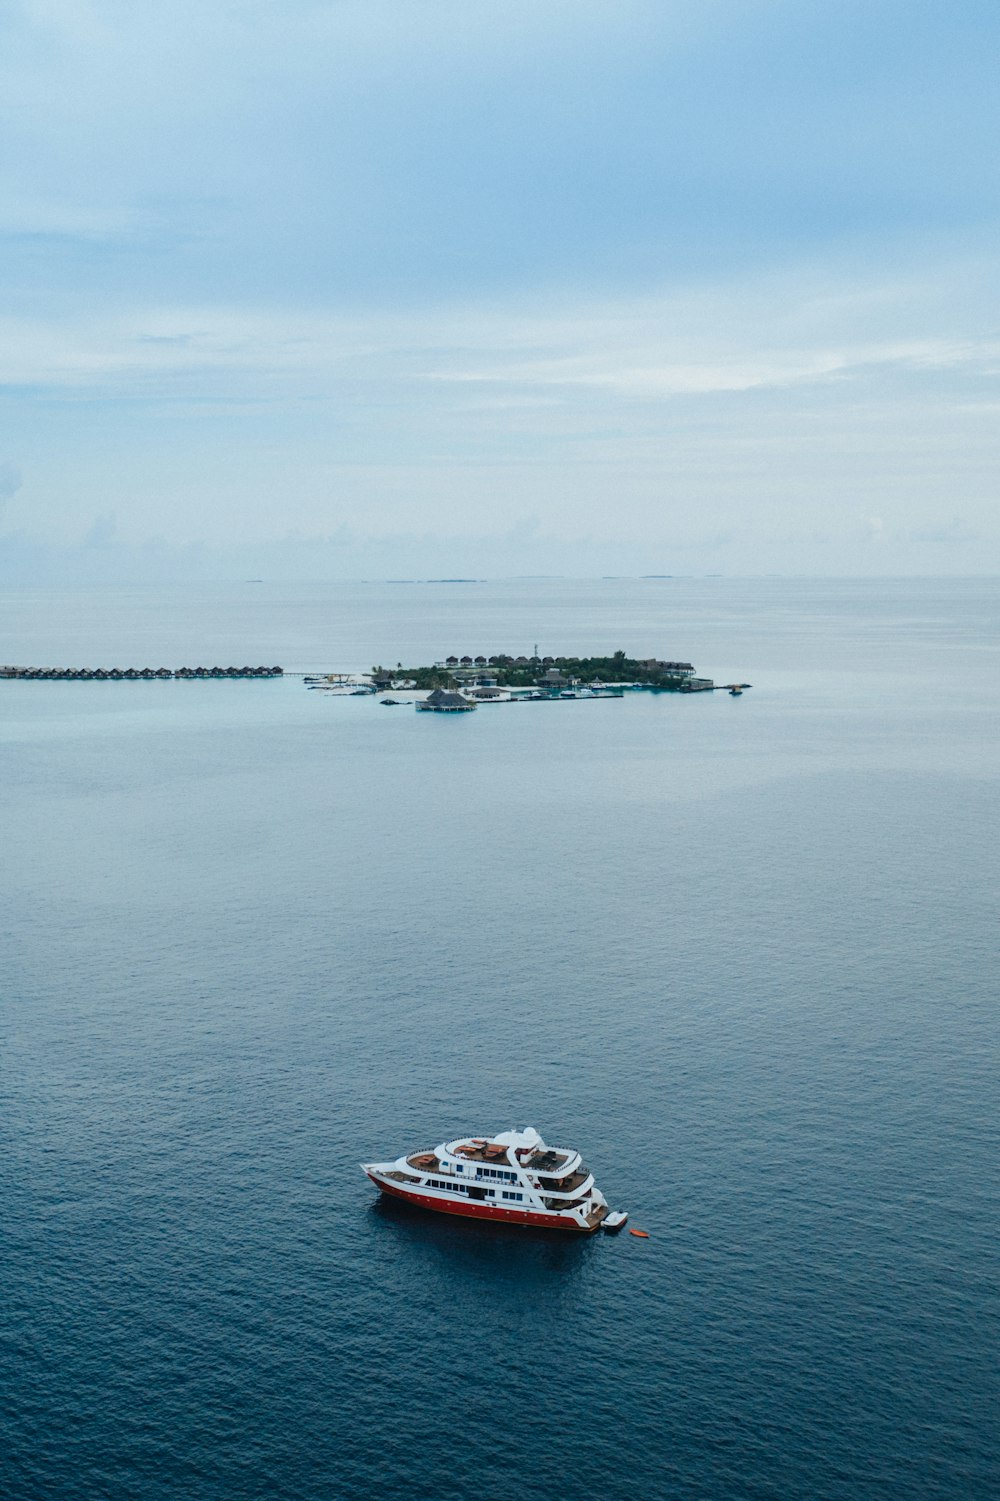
(547, 1162)
(567, 1185)
(488, 1152)
(492, 1152)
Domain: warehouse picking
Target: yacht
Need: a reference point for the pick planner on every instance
(512, 1178)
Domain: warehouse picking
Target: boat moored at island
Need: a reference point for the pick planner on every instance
(512, 1178)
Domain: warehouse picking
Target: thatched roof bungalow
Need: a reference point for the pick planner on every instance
(443, 701)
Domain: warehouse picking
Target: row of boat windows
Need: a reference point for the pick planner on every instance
(493, 1172)
(463, 1189)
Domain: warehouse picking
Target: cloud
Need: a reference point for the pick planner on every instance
(373, 151)
(635, 267)
(102, 530)
(954, 533)
(734, 335)
(759, 407)
(10, 481)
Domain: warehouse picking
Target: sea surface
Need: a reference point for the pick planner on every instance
(741, 952)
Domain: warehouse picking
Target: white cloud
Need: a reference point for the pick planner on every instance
(420, 270)
(737, 337)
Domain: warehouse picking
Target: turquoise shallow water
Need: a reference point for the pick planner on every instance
(741, 952)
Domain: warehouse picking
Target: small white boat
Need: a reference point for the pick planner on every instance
(614, 1222)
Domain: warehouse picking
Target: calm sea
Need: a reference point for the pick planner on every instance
(741, 952)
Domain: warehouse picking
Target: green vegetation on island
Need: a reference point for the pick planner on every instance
(531, 672)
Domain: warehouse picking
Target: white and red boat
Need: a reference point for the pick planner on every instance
(512, 1178)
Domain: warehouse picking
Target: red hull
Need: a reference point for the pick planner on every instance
(480, 1211)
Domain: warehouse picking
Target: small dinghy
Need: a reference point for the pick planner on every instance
(614, 1222)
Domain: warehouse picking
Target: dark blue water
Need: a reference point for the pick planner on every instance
(741, 952)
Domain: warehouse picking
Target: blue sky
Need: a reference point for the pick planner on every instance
(349, 289)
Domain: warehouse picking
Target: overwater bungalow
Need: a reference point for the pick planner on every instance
(443, 701)
(132, 674)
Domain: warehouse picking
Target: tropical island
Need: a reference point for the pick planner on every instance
(552, 673)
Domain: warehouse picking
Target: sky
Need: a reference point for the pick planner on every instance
(376, 288)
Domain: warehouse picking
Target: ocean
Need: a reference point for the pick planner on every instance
(740, 952)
